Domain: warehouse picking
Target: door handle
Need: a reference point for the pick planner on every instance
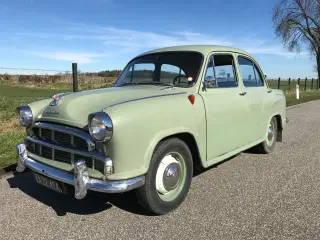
(243, 93)
(269, 91)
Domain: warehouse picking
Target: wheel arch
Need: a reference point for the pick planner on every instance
(279, 124)
(191, 142)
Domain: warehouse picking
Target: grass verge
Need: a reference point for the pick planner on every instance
(12, 95)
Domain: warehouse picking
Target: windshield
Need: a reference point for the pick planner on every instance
(179, 69)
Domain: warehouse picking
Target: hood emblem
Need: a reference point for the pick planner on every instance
(57, 98)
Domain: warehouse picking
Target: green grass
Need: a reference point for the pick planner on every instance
(8, 154)
(304, 97)
(12, 95)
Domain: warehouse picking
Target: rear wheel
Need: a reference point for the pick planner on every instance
(268, 145)
(169, 177)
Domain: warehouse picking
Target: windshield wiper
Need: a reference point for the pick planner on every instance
(148, 83)
(128, 83)
(159, 83)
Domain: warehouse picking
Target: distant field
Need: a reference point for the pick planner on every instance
(284, 84)
(12, 94)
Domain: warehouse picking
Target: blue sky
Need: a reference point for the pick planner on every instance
(106, 34)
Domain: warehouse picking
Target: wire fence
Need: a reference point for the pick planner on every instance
(44, 76)
(41, 76)
(305, 84)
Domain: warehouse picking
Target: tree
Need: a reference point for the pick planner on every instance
(297, 22)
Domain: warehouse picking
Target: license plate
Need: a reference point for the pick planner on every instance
(48, 182)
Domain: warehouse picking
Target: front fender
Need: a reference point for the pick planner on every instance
(140, 125)
(277, 107)
(38, 106)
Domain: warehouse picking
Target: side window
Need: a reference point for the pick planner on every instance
(220, 72)
(224, 70)
(249, 72)
(258, 76)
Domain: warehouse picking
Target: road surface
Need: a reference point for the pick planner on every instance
(251, 196)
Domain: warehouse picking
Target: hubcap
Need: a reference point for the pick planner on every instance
(270, 133)
(171, 176)
(168, 175)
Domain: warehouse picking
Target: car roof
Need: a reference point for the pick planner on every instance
(204, 49)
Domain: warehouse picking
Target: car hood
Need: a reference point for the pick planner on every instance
(73, 108)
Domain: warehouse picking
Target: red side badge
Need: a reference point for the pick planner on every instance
(192, 98)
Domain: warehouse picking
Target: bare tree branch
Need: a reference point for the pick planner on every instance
(297, 22)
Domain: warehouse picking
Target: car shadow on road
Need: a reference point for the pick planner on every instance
(198, 170)
(93, 203)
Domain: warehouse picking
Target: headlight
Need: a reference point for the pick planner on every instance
(100, 126)
(24, 115)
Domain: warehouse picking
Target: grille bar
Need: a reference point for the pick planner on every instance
(94, 160)
(64, 136)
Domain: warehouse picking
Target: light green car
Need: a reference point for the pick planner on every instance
(171, 111)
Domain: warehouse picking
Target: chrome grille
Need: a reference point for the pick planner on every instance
(64, 144)
(58, 155)
(61, 138)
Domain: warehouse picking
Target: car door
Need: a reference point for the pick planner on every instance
(256, 92)
(226, 108)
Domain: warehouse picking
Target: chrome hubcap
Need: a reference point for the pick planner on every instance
(270, 133)
(171, 176)
(168, 174)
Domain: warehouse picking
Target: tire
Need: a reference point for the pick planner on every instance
(173, 154)
(268, 145)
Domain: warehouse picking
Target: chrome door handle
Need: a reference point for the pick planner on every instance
(243, 93)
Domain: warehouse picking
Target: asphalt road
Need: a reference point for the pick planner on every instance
(251, 196)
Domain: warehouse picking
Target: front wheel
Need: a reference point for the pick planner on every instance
(169, 177)
(268, 145)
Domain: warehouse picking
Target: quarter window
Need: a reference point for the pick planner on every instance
(251, 76)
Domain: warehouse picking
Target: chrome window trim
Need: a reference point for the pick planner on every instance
(72, 131)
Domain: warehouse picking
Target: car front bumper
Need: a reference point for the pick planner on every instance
(79, 179)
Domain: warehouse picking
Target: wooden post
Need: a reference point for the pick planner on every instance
(75, 77)
(299, 81)
(305, 84)
(311, 83)
(278, 83)
(289, 83)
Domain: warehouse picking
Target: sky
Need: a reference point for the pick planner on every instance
(106, 34)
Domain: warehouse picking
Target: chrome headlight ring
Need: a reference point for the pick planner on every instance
(25, 116)
(100, 126)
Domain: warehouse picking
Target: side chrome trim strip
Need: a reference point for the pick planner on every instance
(95, 155)
(93, 184)
(143, 98)
(69, 130)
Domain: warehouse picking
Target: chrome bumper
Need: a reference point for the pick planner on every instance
(73, 179)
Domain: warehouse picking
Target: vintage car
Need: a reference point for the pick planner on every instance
(171, 111)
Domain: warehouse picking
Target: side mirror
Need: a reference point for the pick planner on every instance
(210, 82)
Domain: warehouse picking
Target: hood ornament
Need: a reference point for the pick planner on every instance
(57, 98)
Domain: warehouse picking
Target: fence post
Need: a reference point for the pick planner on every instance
(305, 84)
(75, 77)
(299, 81)
(278, 83)
(311, 83)
(289, 83)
